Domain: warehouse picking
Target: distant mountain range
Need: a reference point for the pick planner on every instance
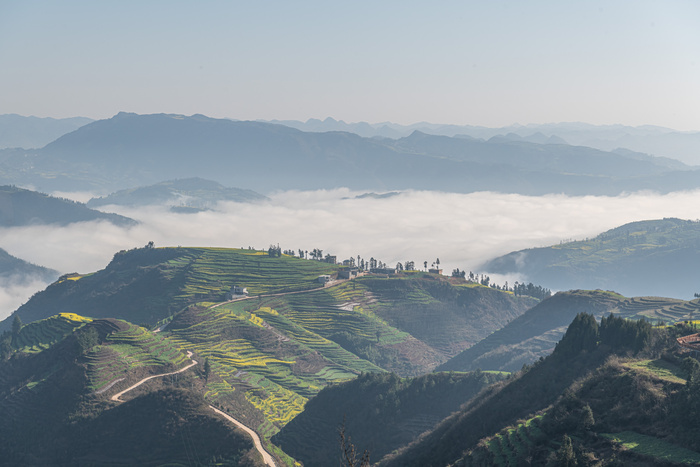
(655, 257)
(653, 140)
(17, 131)
(131, 149)
(19, 207)
(194, 193)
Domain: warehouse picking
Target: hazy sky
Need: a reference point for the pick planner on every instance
(482, 63)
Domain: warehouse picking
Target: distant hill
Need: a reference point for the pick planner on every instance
(656, 257)
(535, 333)
(19, 207)
(145, 149)
(17, 131)
(188, 192)
(18, 269)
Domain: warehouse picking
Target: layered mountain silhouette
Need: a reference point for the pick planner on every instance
(131, 149)
(646, 139)
(17, 131)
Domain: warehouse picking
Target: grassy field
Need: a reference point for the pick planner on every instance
(660, 368)
(654, 447)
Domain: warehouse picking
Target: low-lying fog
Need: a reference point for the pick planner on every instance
(462, 230)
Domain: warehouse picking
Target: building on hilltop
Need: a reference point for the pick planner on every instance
(691, 342)
(324, 278)
(435, 271)
(347, 273)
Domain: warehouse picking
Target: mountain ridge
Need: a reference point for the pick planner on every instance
(146, 149)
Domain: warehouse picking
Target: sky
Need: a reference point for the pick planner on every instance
(490, 63)
(462, 230)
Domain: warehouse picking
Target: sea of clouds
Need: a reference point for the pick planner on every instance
(462, 230)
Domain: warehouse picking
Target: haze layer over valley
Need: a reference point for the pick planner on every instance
(463, 230)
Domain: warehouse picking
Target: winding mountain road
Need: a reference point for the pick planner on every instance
(269, 461)
(118, 395)
(267, 458)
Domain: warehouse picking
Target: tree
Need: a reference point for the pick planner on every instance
(409, 266)
(425, 265)
(348, 452)
(207, 369)
(274, 251)
(437, 261)
(565, 454)
(16, 325)
(587, 420)
(87, 339)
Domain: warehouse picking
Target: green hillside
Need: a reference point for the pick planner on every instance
(535, 333)
(54, 397)
(146, 285)
(270, 355)
(655, 257)
(380, 413)
(271, 352)
(614, 380)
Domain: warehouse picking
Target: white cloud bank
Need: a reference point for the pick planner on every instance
(463, 230)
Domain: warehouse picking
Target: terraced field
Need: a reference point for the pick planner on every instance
(147, 285)
(655, 309)
(40, 335)
(127, 349)
(254, 348)
(212, 271)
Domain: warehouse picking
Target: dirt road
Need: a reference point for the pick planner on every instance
(256, 439)
(117, 396)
